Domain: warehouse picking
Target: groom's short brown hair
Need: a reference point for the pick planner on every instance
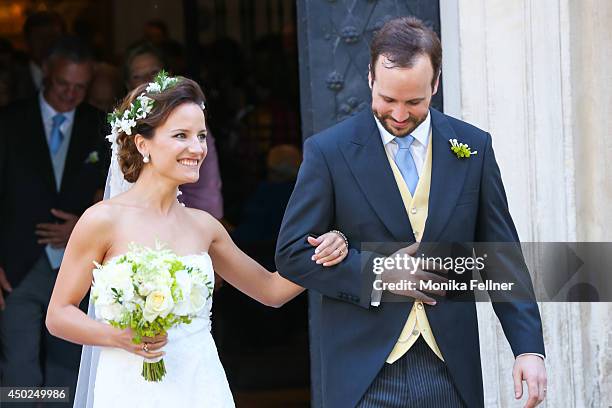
(401, 40)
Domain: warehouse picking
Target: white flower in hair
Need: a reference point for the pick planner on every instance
(153, 87)
(146, 106)
(167, 82)
(126, 125)
(139, 109)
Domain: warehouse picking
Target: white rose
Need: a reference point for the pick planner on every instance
(183, 282)
(197, 299)
(116, 276)
(158, 303)
(183, 287)
(109, 312)
(119, 277)
(106, 307)
(146, 287)
(181, 308)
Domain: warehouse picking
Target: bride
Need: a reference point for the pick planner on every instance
(158, 145)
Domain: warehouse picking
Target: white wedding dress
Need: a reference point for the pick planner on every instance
(194, 378)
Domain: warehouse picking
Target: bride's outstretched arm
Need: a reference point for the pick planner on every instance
(248, 276)
(89, 242)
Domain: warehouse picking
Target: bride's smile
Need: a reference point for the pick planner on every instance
(189, 162)
(178, 146)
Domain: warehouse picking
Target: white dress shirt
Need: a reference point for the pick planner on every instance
(58, 160)
(418, 148)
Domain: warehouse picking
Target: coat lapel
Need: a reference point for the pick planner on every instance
(365, 156)
(40, 146)
(447, 177)
(77, 150)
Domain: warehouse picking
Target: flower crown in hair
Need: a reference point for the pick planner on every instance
(139, 109)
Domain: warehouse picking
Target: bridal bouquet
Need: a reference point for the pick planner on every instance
(150, 291)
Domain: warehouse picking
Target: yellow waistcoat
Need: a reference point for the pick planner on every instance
(417, 208)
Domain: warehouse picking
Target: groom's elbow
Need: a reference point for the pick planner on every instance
(282, 258)
(288, 268)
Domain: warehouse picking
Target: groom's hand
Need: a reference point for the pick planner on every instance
(531, 369)
(406, 277)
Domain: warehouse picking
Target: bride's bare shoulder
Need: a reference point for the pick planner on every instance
(203, 220)
(101, 215)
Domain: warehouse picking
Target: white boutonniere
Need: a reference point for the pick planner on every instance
(461, 150)
(92, 158)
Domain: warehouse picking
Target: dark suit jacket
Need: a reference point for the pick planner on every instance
(27, 184)
(346, 183)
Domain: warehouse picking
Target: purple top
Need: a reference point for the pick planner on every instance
(205, 194)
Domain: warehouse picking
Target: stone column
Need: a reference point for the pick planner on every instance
(536, 75)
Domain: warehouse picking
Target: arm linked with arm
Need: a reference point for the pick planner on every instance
(311, 210)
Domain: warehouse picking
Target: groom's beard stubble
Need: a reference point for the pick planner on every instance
(384, 120)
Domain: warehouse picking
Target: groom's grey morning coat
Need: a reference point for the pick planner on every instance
(346, 183)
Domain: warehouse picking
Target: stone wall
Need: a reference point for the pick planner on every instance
(536, 74)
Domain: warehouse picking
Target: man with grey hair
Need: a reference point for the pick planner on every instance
(54, 160)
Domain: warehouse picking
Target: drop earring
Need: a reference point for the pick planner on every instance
(145, 158)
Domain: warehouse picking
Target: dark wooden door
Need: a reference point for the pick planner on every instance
(334, 37)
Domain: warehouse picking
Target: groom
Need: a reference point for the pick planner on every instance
(388, 175)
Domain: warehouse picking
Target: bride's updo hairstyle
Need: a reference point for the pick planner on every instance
(184, 91)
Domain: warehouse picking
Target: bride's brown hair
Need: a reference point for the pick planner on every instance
(184, 91)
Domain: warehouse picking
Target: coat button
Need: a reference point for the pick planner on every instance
(420, 306)
(415, 332)
(414, 210)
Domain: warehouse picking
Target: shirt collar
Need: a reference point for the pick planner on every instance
(48, 112)
(421, 133)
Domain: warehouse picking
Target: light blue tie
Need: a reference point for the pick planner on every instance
(405, 162)
(57, 137)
